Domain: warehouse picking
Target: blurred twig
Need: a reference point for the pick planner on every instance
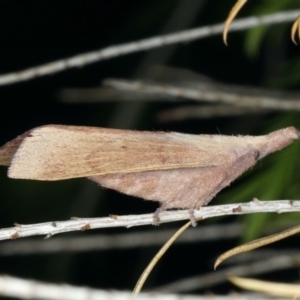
(213, 278)
(173, 84)
(205, 111)
(30, 289)
(276, 289)
(209, 95)
(144, 44)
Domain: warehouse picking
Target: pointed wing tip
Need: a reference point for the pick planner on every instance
(18, 171)
(27, 162)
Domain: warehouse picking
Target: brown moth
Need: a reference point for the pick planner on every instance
(178, 170)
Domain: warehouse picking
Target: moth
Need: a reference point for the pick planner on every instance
(178, 170)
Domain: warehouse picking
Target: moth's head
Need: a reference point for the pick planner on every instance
(292, 132)
(298, 134)
(278, 140)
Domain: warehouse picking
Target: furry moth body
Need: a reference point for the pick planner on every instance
(178, 170)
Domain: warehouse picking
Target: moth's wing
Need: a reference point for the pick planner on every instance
(176, 188)
(179, 188)
(55, 152)
(8, 150)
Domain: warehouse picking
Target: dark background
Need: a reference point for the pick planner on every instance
(36, 32)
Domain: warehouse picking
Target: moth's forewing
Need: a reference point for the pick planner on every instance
(8, 150)
(57, 152)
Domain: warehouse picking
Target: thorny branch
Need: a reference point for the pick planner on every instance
(51, 228)
(144, 44)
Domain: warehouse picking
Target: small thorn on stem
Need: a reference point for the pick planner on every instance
(256, 201)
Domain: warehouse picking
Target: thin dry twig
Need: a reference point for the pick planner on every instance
(158, 256)
(277, 289)
(51, 228)
(232, 14)
(295, 31)
(141, 45)
(208, 95)
(257, 243)
(261, 254)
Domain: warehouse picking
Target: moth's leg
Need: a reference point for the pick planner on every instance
(155, 221)
(194, 205)
(162, 208)
(156, 214)
(192, 216)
